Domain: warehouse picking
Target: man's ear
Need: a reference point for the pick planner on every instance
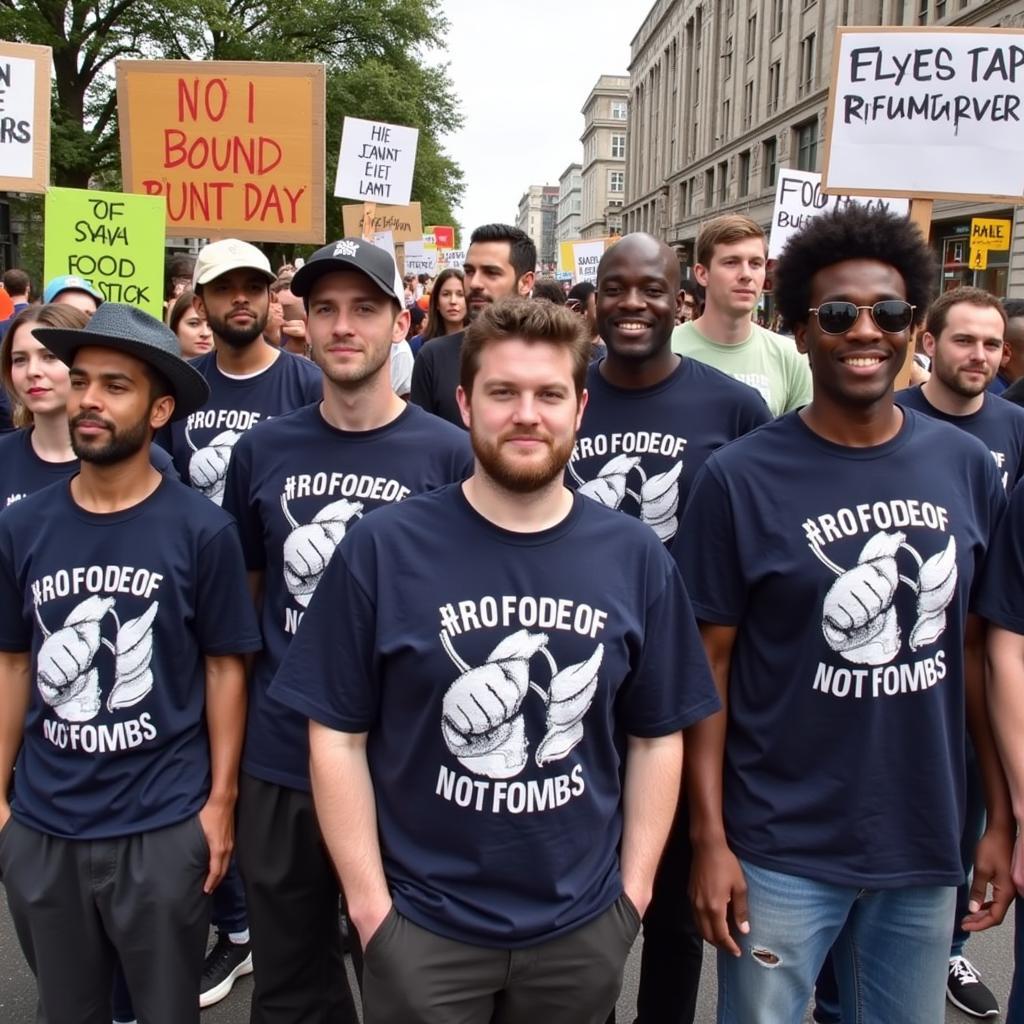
(161, 411)
(928, 344)
(525, 284)
(700, 274)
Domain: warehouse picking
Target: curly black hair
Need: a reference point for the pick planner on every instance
(853, 232)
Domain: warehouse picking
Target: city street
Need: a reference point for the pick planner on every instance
(991, 953)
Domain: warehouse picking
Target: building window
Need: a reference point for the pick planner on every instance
(726, 113)
(709, 188)
(940, 8)
(774, 86)
(769, 151)
(691, 196)
(727, 58)
(618, 146)
(806, 64)
(723, 181)
(618, 110)
(751, 36)
(807, 145)
(743, 174)
(922, 13)
(748, 104)
(808, 3)
(778, 13)
(616, 181)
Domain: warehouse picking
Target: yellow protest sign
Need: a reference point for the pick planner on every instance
(990, 234)
(235, 147)
(979, 258)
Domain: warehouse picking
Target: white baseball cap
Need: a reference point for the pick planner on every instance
(229, 254)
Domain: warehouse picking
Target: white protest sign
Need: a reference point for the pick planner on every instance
(454, 258)
(419, 259)
(798, 198)
(384, 240)
(927, 113)
(24, 117)
(376, 162)
(586, 256)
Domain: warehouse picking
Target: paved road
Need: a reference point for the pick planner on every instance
(991, 952)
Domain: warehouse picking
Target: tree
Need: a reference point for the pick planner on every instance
(373, 49)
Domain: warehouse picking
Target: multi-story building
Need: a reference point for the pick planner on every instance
(570, 188)
(723, 94)
(605, 123)
(538, 217)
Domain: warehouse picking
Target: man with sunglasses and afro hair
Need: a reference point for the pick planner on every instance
(830, 557)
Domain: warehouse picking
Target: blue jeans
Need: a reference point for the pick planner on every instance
(890, 949)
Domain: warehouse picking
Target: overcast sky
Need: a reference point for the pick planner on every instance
(522, 72)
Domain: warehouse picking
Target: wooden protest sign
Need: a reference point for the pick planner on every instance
(236, 147)
(376, 162)
(113, 240)
(404, 222)
(25, 117)
(927, 113)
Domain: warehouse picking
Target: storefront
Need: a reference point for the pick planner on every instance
(951, 241)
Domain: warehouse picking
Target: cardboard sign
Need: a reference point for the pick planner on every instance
(453, 258)
(929, 113)
(25, 117)
(113, 240)
(384, 240)
(235, 147)
(586, 256)
(798, 198)
(419, 259)
(990, 234)
(404, 222)
(444, 237)
(376, 162)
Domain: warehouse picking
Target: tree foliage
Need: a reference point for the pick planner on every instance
(376, 53)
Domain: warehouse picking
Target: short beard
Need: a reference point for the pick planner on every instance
(351, 381)
(238, 337)
(520, 479)
(118, 448)
(970, 391)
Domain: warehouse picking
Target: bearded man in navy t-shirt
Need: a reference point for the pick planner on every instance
(496, 717)
(832, 556)
(122, 690)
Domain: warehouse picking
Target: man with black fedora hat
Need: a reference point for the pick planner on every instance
(296, 485)
(122, 691)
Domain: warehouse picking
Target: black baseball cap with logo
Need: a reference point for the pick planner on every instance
(350, 254)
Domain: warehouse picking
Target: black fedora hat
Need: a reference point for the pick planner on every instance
(130, 330)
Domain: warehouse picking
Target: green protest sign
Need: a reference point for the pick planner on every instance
(113, 240)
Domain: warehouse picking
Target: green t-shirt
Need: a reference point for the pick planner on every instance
(766, 361)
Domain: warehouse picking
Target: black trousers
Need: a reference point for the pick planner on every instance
(293, 897)
(413, 976)
(79, 905)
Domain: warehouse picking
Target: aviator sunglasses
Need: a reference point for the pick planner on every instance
(890, 315)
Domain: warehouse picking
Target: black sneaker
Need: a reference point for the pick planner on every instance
(226, 961)
(967, 992)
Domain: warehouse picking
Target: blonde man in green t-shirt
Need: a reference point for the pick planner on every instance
(731, 260)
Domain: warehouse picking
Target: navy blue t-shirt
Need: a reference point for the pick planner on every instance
(497, 675)
(998, 424)
(1001, 593)
(22, 472)
(118, 611)
(295, 485)
(847, 573)
(638, 449)
(201, 444)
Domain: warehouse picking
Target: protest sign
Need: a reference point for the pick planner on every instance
(376, 162)
(586, 256)
(927, 113)
(453, 258)
(798, 198)
(114, 240)
(566, 251)
(384, 240)
(419, 259)
(404, 222)
(25, 117)
(236, 147)
(444, 237)
(987, 233)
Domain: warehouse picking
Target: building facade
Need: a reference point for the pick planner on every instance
(605, 125)
(538, 217)
(570, 192)
(724, 93)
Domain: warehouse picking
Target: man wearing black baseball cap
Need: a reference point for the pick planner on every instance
(122, 690)
(295, 485)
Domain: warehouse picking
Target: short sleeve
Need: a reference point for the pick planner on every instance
(798, 394)
(705, 550)
(329, 673)
(670, 686)
(754, 413)
(1000, 595)
(240, 503)
(15, 632)
(401, 368)
(225, 616)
